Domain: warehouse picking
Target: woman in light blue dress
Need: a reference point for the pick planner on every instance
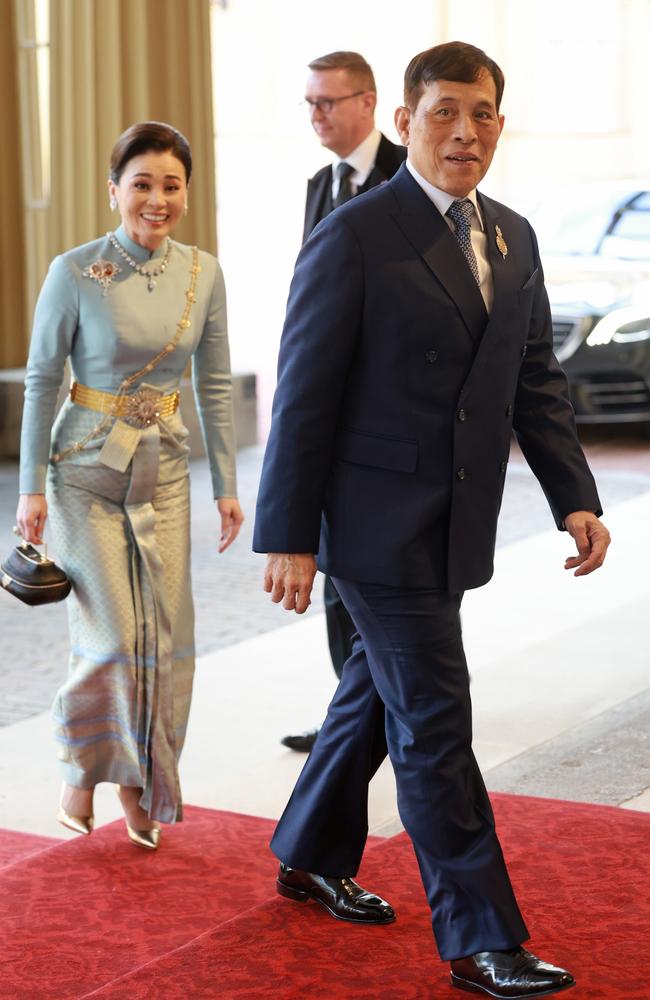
(129, 311)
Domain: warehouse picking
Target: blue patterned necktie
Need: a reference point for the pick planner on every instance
(460, 212)
(343, 171)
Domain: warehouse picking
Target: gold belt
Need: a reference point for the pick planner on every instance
(141, 408)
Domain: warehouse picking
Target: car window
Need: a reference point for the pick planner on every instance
(642, 203)
(576, 224)
(630, 236)
(575, 230)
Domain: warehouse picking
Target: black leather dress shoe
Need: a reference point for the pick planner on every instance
(514, 974)
(303, 742)
(341, 897)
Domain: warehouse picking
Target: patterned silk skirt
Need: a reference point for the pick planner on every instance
(123, 538)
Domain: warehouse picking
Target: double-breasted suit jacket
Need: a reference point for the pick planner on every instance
(397, 396)
(319, 187)
(319, 204)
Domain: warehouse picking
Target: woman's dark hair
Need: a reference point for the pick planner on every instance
(456, 61)
(144, 137)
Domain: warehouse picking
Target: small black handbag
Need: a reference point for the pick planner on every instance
(32, 577)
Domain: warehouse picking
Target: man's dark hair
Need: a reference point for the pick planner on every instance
(456, 61)
(146, 137)
(353, 62)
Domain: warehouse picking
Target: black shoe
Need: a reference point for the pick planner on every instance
(341, 897)
(514, 974)
(302, 743)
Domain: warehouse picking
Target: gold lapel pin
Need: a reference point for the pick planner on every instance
(502, 246)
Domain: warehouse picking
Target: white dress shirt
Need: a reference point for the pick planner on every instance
(362, 159)
(442, 201)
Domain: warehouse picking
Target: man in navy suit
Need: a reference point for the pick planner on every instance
(341, 96)
(418, 336)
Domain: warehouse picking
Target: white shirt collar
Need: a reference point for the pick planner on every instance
(441, 199)
(362, 158)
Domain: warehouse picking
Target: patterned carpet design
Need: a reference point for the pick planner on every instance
(200, 920)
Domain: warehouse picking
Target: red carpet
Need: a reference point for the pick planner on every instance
(15, 846)
(581, 873)
(137, 905)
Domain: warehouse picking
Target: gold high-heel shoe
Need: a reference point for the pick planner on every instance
(149, 839)
(79, 824)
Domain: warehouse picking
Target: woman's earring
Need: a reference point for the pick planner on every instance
(113, 203)
(185, 209)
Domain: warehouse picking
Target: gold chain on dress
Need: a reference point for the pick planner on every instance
(126, 383)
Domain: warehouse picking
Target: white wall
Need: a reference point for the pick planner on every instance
(575, 106)
(266, 149)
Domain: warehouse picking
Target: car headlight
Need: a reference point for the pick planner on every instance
(623, 326)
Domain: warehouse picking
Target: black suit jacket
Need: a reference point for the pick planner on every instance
(319, 188)
(397, 396)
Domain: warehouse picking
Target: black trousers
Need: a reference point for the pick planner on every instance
(405, 691)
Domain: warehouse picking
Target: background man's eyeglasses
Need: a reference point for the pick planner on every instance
(326, 104)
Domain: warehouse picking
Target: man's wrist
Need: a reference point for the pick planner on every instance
(293, 555)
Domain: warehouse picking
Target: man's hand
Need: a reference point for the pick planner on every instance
(591, 538)
(289, 578)
(232, 519)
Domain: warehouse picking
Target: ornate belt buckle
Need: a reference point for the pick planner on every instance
(142, 408)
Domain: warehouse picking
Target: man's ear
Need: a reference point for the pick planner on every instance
(403, 124)
(370, 102)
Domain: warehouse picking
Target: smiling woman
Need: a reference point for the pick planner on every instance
(151, 166)
(116, 468)
(151, 196)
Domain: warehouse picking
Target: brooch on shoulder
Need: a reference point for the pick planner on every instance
(502, 246)
(102, 271)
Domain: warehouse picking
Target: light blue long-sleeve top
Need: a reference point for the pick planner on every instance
(109, 336)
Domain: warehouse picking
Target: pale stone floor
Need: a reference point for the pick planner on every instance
(560, 667)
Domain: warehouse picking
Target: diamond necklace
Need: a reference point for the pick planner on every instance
(150, 274)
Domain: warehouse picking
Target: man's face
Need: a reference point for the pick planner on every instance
(453, 133)
(342, 128)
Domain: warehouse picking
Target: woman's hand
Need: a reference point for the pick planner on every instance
(31, 517)
(232, 518)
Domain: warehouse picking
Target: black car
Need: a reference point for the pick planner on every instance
(595, 247)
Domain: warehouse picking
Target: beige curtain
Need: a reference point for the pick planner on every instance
(112, 63)
(115, 62)
(13, 326)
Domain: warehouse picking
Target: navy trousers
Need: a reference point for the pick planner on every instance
(340, 627)
(405, 691)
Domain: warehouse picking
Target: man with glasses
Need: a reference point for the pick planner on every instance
(341, 97)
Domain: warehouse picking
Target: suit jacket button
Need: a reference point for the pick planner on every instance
(460, 474)
(509, 410)
(523, 351)
(503, 466)
(432, 357)
(462, 415)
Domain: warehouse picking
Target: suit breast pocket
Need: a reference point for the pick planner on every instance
(525, 299)
(527, 290)
(377, 451)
